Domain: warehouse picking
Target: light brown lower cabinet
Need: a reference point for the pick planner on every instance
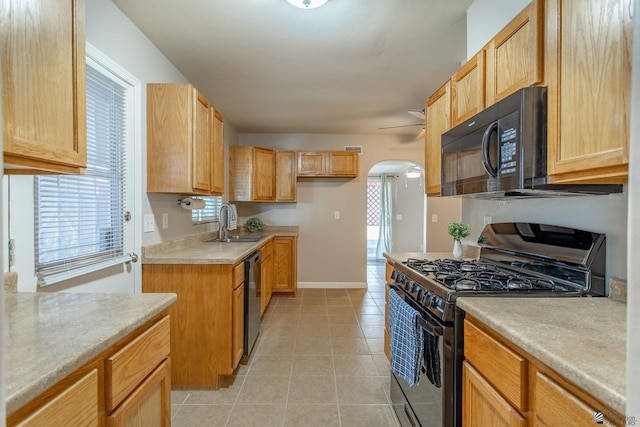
(129, 384)
(285, 274)
(238, 324)
(77, 406)
(266, 275)
(482, 405)
(505, 386)
(149, 404)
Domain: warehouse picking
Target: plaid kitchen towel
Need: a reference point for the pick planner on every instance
(406, 340)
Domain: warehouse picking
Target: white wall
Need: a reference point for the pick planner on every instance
(331, 252)
(486, 17)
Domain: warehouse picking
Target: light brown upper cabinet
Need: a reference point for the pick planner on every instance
(286, 189)
(467, 90)
(437, 122)
(252, 174)
(514, 57)
(43, 85)
(217, 161)
(328, 164)
(180, 141)
(588, 72)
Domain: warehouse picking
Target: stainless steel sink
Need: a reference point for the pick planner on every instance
(237, 239)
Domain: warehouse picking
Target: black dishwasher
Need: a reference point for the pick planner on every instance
(251, 300)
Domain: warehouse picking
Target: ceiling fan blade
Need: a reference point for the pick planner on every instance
(416, 113)
(421, 134)
(402, 126)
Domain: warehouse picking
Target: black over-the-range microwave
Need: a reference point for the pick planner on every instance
(502, 152)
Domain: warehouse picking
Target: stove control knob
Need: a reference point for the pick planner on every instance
(434, 301)
(408, 285)
(419, 296)
(416, 288)
(426, 298)
(402, 278)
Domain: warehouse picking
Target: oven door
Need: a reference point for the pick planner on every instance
(428, 404)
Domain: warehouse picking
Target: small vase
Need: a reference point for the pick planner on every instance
(457, 249)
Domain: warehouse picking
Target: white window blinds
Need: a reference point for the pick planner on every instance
(79, 219)
(209, 213)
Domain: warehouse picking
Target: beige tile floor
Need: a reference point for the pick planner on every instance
(318, 361)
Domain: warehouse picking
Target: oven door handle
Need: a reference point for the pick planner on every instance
(433, 330)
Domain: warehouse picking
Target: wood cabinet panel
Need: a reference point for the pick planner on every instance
(44, 86)
(202, 144)
(328, 164)
(237, 346)
(504, 369)
(483, 406)
(128, 367)
(467, 90)
(588, 69)
(149, 404)
(202, 325)
(312, 163)
(252, 174)
(343, 163)
(285, 250)
(286, 188)
(217, 158)
(514, 57)
(437, 122)
(553, 405)
(77, 406)
(180, 133)
(266, 275)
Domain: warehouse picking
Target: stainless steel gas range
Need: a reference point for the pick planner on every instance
(516, 260)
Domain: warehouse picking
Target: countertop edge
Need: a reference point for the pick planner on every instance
(15, 399)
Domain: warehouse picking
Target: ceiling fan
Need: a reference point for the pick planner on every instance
(416, 113)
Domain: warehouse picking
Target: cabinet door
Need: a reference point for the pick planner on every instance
(237, 312)
(266, 277)
(312, 163)
(285, 264)
(588, 69)
(75, 406)
(437, 122)
(514, 56)
(201, 154)
(343, 163)
(467, 90)
(264, 174)
(149, 404)
(553, 405)
(217, 154)
(43, 84)
(286, 176)
(483, 406)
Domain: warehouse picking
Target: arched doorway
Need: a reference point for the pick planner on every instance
(395, 208)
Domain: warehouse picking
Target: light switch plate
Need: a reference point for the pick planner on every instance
(165, 220)
(398, 217)
(149, 223)
(434, 217)
(336, 214)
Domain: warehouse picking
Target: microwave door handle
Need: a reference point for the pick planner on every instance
(486, 162)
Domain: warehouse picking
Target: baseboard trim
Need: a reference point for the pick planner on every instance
(332, 285)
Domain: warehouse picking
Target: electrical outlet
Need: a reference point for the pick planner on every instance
(336, 214)
(165, 220)
(149, 223)
(487, 219)
(398, 217)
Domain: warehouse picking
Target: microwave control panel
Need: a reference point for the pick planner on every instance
(508, 151)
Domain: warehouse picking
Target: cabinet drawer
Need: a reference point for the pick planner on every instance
(554, 405)
(504, 369)
(238, 275)
(77, 406)
(129, 366)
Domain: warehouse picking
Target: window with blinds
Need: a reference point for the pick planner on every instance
(79, 219)
(211, 211)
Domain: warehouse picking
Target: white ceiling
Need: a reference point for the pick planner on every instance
(349, 67)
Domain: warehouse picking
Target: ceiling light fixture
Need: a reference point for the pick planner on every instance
(307, 4)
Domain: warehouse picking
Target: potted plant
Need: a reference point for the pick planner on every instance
(254, 224)
(457, 230)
